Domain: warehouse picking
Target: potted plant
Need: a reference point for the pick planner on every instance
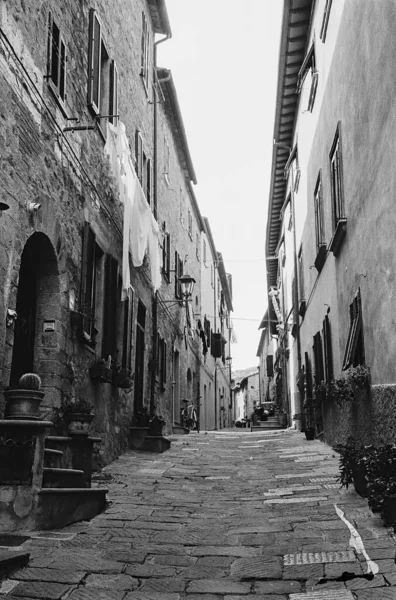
(381, 476)
(102, 371)
(77, 413)
(352, 462)
(140, 427)
(122, 378)
(24, 401)
(156, 424)
(343, 389)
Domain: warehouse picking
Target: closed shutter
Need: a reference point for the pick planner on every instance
(139, 155)
(270, 365)
(328, 350)
(127, 332)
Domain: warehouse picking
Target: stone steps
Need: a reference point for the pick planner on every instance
(62, 478)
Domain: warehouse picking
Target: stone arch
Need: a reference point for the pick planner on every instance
(39, 336)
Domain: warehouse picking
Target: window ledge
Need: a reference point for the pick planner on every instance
(320, 257)
(338, 236)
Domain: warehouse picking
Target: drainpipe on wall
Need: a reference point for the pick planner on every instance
(155, 200)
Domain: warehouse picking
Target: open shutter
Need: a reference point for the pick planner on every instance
(127, 331)
(49, 45)
(62, 70)
(149, 182)
(87, 296)
(164, 359)
(139, 155)
(94, 59)
(176, 274)
(328, 350)
(113, 105)
(110, 307)
(308, 377)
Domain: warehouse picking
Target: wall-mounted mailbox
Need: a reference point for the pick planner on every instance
(49, 326)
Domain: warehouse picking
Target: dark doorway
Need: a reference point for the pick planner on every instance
(38, 295)
(139, 359)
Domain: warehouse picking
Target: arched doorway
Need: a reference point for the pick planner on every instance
(38, 308)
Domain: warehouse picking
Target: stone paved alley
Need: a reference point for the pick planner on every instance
(225, 515)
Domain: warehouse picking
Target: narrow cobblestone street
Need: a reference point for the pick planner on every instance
(224, 515)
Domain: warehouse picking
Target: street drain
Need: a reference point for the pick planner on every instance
(311, 558)
(327, 595)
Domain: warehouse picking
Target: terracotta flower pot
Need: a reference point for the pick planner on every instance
(23, 404)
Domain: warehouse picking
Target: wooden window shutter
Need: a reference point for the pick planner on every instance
(143, 45)
(113, 104)
(139, 155)
(110, 307)
(177, 285)
(164, 362)
(49, 45)
(270, 365)
(158, 365)
(127, 332)
(149, 181)
(308, 378)
(87, 295)
(328, 350)
(94, 60)
(62, 70)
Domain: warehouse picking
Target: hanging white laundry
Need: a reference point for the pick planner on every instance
(141, 231)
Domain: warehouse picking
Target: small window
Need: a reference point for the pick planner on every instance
(145, 53)
(166, 254)
(325, 21)
(336, 179)
(56, 61)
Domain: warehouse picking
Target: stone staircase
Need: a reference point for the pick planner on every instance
(48, 476)
(269, 425)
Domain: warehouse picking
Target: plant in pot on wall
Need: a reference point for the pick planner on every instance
(122, 378)
(24, 401)
(343, 389)
(78, 414)
(102, 371)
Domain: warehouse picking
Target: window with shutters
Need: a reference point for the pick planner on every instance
(308, 77)
(90, 281)
(102, 76)
(325, 21)
(109, 334)
(145, 53)
(354, 351)
(166, 250)
(56, 62)
(178, 274)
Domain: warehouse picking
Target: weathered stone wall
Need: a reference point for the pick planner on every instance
(68, 174)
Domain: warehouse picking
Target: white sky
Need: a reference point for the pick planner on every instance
(224, 58)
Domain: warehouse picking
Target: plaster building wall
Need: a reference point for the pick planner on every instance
(355, 81)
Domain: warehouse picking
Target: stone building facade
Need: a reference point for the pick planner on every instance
(84, 285)
(330, 227)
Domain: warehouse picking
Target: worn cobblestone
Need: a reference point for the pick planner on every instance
(179, 536)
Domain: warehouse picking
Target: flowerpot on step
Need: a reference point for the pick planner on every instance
(310, 434)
